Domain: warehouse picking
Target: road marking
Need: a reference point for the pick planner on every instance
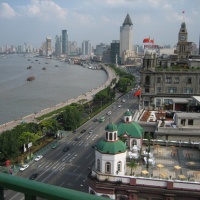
(76, 168)
(88, 156)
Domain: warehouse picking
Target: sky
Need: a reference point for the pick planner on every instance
(31, 21)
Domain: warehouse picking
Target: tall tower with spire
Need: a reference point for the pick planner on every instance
(126, 35)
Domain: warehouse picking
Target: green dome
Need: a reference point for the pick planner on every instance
(111, 147)
(133, 129)
(111, 127)
(127, 113)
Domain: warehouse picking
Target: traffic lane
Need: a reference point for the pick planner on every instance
(78, 172)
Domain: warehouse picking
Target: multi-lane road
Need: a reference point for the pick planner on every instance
(70, 169)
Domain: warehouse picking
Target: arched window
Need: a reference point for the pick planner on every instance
(115, 135)
(110, 136)
(108, 167)
(134, 142)
(119, 166)
(147, 80)
(127, 119)
(98, 165)
(106, 135)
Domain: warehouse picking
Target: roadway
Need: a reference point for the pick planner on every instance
(70, 169)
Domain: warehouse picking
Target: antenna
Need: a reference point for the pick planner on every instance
(183, 12)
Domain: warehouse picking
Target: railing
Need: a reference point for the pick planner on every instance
(33, 189)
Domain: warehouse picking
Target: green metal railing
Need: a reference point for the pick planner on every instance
(33, 189)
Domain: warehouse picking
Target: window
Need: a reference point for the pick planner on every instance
(176, 80)
(106, 135)
(158, 89)
(190, 121)
(146, 103)
(108, 167)
(158, 102)
(189, 80)
(115, 135)
(168, 79)
(158, 79)
(183, 122)
(110, 136)
(147, 90)
(172, 90)
(168, 101)
(187, 90)
(147, 80)
(98, 165)
(119, 166)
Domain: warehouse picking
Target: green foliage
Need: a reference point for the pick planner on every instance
(70, 118)
(132, 165)
(49, 126)
(9, 145)
(27, 137)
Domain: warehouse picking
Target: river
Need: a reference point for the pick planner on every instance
(58, 83)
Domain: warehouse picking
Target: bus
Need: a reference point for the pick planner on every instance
(102, 119)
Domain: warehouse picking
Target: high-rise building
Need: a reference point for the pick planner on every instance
(58, 46)
(48, 46)
(126, 36)
(86, 48)
(64, 41)
(114, 52)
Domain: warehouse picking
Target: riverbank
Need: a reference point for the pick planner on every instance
(88, 96)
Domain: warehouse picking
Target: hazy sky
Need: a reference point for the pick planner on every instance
(31, 21)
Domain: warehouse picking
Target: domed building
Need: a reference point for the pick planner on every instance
(130, 132)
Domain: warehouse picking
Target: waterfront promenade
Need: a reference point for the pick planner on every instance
(88, 96)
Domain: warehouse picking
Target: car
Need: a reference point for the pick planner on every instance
(90, 132)
(24, 167)
(54, 146)
(109, 113)
(83, 131)
(74, 131)
(34, 176)
(65, 149)
(95, 120)
(77, 138)
(119, 106)
(38, 157)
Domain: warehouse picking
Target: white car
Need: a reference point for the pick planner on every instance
(109, 113)
(119, 106)
(24, 167)
(38, 157)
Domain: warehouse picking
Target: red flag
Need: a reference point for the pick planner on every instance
(137, 93)
(146, 40)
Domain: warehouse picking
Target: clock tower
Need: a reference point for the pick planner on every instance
(183, 49)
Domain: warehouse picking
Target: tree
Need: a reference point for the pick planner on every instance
(70, 118)
(27, 137)
(49, 126)
(132, 165)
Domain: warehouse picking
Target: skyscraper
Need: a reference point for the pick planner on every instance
(58, 45)
(48, 46)
(86, 48)
(64, 41)
(126, 36)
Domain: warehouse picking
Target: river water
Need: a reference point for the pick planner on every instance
(56, 84)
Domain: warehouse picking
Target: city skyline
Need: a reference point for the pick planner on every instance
(34, 20)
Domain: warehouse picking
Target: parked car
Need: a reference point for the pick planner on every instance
(54, 146)
(66, 149)
(34, 176)
(95, 120)
(119, 106)
(83, 131)
(74, 131)
(38, 157)
(24, 167)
